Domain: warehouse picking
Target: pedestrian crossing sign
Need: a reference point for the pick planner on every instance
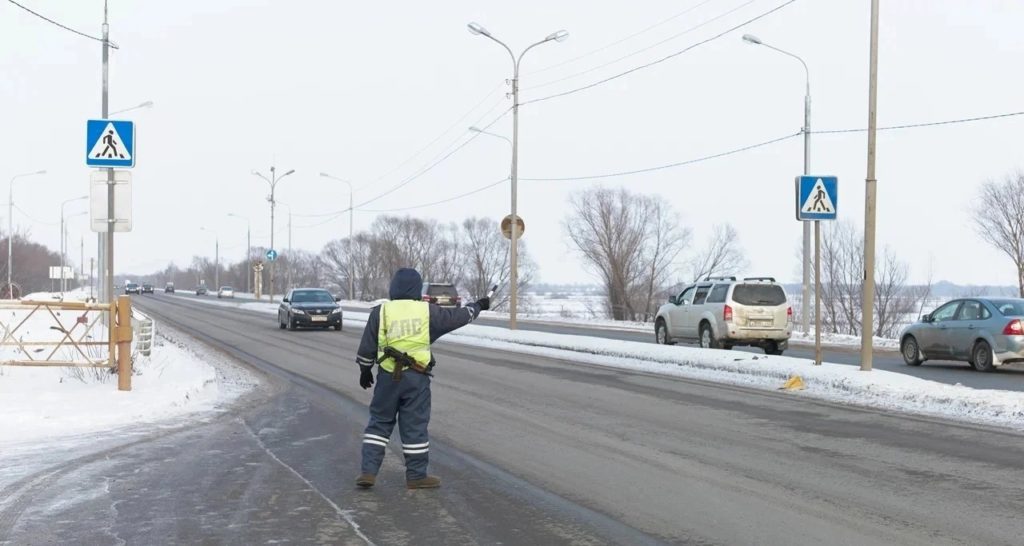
(817, 198)
(110, 143)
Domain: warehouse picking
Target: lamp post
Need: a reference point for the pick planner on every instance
(10, 228)
(216, 257)
(351, 214)
(63, 259)
(288, 279)
(870, 188)
(64, 247)
(558, 36)
(248, 251)
(272, 181)
(805, 304)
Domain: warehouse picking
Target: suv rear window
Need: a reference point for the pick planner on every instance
(442, 290)
(718, 293)
(759, 294)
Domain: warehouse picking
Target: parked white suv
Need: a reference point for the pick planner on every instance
(722, 312)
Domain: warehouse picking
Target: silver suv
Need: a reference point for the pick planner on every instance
(722, 312)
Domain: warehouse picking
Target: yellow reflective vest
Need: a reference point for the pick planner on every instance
(405, 326)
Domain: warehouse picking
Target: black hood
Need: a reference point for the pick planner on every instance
(406, 285)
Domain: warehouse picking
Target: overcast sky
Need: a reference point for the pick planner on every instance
(357, 88)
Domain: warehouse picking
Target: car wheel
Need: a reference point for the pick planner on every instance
(337, 327)
(661, 333)
(707, 337)
(772, 348)
(911, 352)
(292, 325)
(280, 323)
(983, 358)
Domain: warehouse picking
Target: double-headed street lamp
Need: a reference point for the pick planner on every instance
(273, 180)
(351, 214)
(216, 257)
(10, 228)
(63, 282)
(248, 252)
(805, 304)
(558, 36)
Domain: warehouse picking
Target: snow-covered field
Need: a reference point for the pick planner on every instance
(831, 382)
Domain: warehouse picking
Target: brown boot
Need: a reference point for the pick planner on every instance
(430, 482)
(366, 481)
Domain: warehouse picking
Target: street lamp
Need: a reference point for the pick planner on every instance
(10, 227)
(805, 304)
(248, 253)
(559, 36)
(65, 244)
(273, 180)
(63, 259)
(147, 104)
(488, 133)
(351, 214)
(216, 257)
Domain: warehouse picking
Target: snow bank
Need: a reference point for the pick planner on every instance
(41, 404)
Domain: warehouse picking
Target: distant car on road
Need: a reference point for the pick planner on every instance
(169, 288)
(132, 288)
(147, 289)
(984, 332)
(309, 307)
(723, 312)
(442, 293)
(226, 292)
(200, 290)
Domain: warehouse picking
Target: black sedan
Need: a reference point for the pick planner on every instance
(309, 308)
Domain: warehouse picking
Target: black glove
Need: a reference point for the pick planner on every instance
(484, 303)
(365, 376)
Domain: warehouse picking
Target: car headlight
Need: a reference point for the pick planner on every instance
(298, 311)
(336, 311)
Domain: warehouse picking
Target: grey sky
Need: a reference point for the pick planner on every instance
(354, 89)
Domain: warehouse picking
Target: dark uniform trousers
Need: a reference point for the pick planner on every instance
(408, 400)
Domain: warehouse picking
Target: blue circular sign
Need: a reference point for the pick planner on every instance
(272, 255)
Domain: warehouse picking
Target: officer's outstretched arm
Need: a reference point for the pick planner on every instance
(444, 319)
(367, 353)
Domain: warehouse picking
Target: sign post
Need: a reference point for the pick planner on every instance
(817, 198)
(109, 144)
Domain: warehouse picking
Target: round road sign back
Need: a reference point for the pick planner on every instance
(506, 227)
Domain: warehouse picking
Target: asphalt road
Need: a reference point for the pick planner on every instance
(532, 451)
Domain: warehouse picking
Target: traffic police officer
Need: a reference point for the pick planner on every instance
(407, 325)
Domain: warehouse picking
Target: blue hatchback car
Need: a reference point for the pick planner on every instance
(984, 332)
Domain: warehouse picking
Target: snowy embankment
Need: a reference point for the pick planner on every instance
(41, 405)
(832, 382)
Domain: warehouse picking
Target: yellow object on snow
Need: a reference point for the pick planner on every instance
(794, 383)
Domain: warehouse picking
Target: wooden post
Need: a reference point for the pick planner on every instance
(124, 343)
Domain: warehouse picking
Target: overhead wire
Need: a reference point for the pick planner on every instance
(663, 59)
(448, 200)
(61, 25)
(917, 125)
(639, 51)
(427, 146)
(621, 40)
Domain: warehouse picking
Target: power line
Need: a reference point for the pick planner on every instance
(65, 27)
(917, 125)
(663, 59)
(670, 165)
(621, 40)
(34, 219)
(449, 200)
(443, 133)
(648, 48)
(434, 164)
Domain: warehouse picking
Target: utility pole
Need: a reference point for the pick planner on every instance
(248, 251)
(291, 266)
(273, 180)
(559, 36)
(106, 239)
(867, 312)
(351, 214)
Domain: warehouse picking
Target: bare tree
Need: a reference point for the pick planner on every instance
(486, 262)
(999, 219)
(629, 240)
(722, 256)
